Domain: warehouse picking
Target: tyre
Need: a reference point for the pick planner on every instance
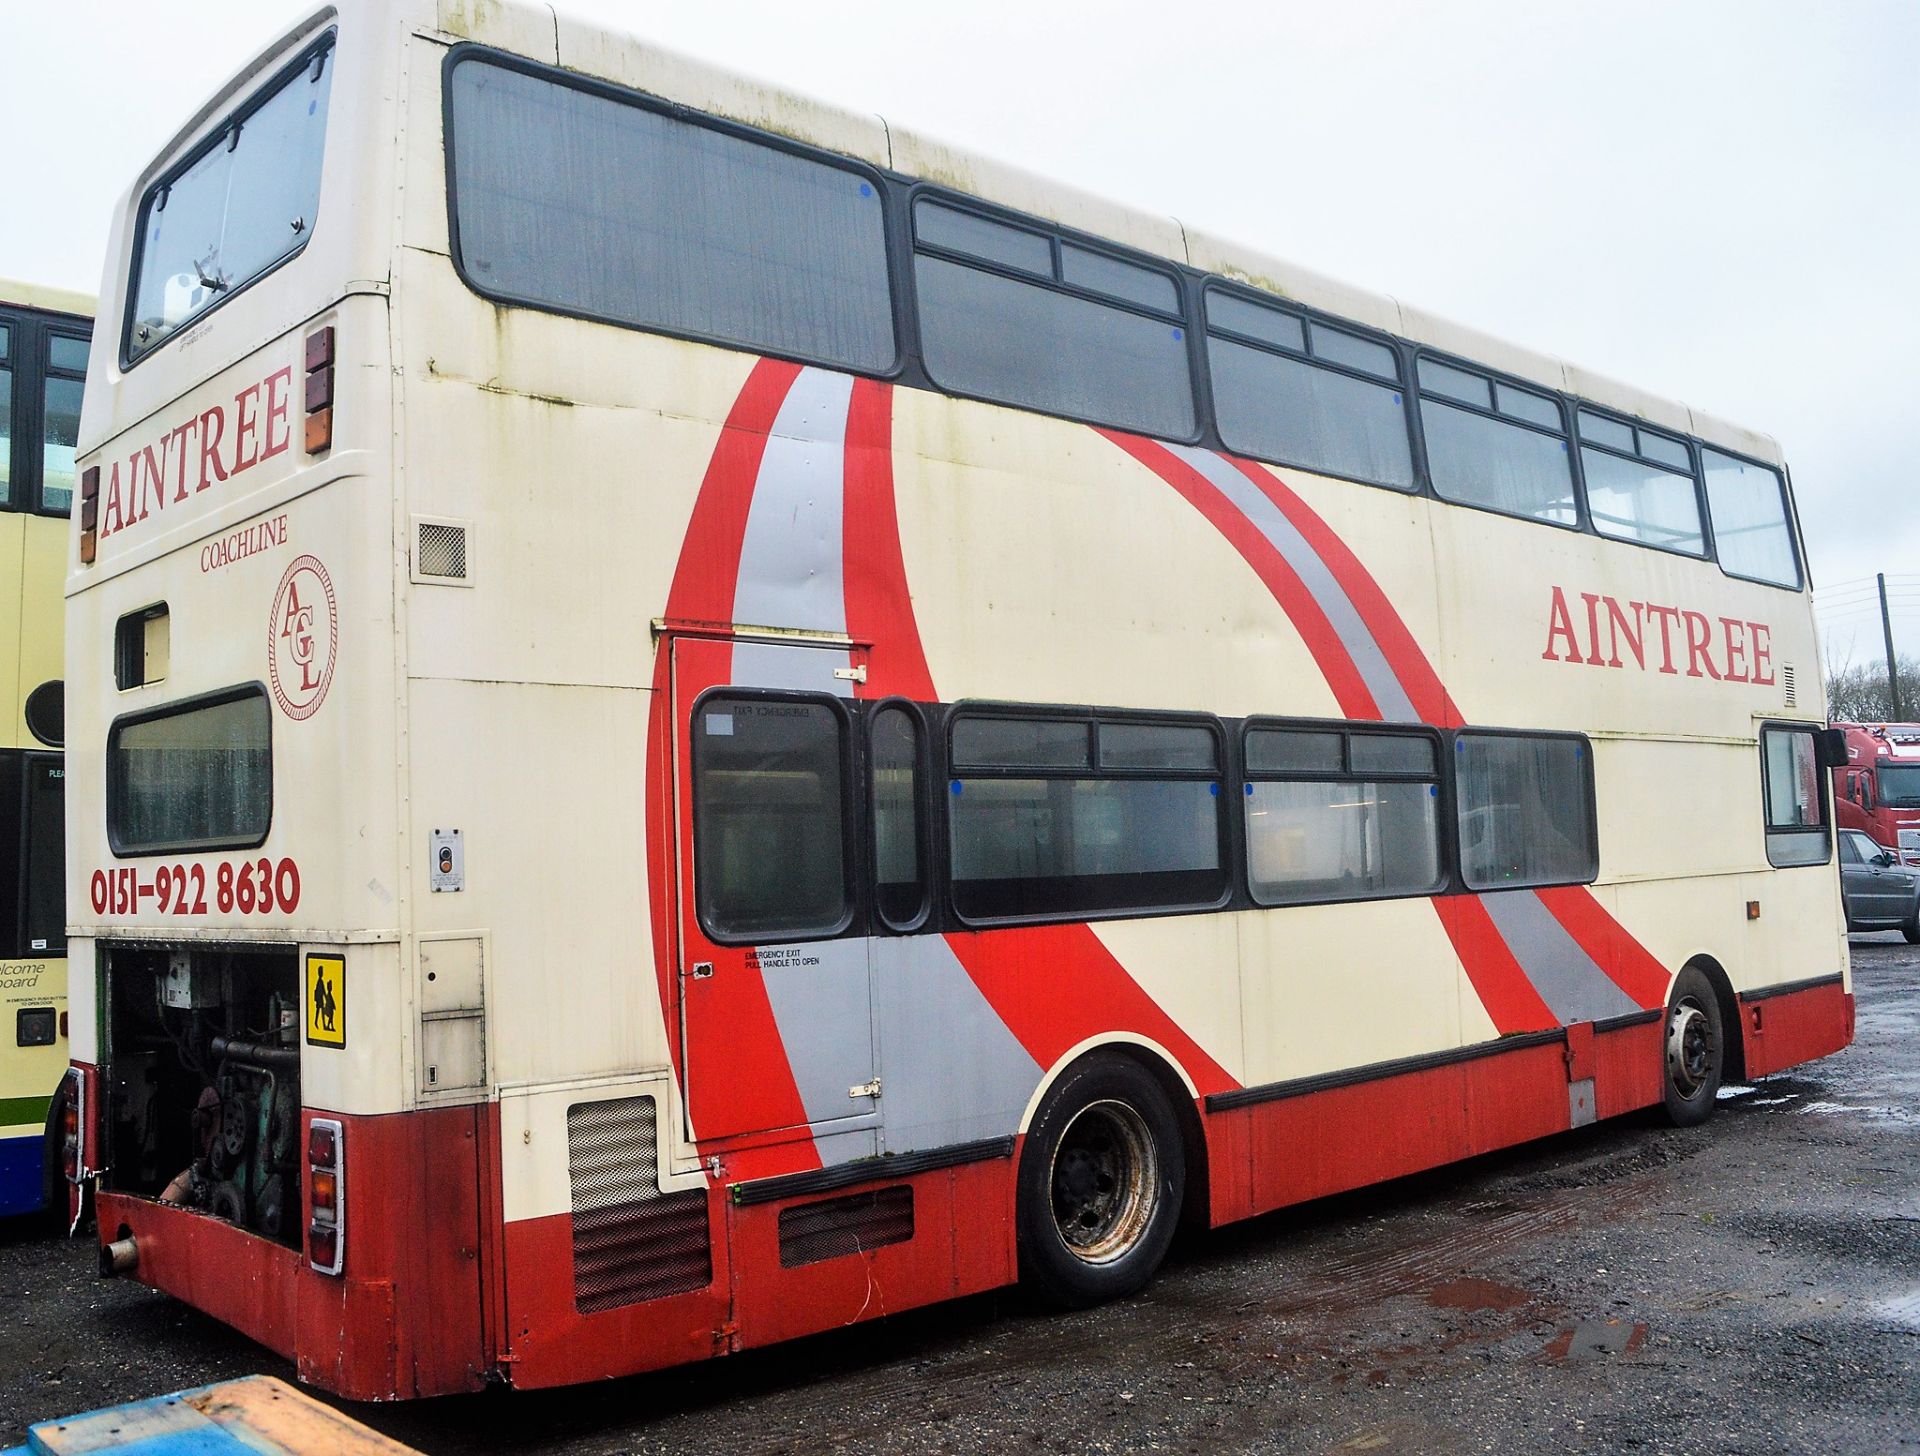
(1696, 1049)
(1101, 1179)
(1910, 927)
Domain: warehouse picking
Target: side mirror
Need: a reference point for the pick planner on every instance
(1883, 859)
(1830, 747)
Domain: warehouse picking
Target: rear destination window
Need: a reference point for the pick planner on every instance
(192, 776)
(243, 202)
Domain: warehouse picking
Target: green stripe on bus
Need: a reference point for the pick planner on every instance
(19, 1111)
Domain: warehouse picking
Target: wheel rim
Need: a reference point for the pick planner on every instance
(1691, 1053)
(1105, 1182)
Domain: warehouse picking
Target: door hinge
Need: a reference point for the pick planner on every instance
(865, 1089)
(852, 674)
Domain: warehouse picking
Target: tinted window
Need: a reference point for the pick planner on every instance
(899, 872)
(1269, 325)
(1294, 412)
(1345, 839)
(1664, 450)
(1158, 745)
(1031, 345)
(65, 352)
(1795, 801)
(587, 203)
(1482, 461)
(981, 237)
(1385, 753)
(1079, 845)
(1749, 510)
(1633, 501)
(1355, 352)
(1524, 404)
(1603, 431)
(1021, 743)
(1525, 811)
(1281, 750)
(1444, 379)
(59, 432)
(1118, 279)
(245, 203)
(769, 831)
(192, 778)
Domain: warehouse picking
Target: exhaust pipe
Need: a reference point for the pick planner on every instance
(122, 1256)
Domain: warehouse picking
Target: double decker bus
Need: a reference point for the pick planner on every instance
(1877, 789)
(760, 722)
(43, 362)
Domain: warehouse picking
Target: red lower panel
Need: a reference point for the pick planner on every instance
(1273, 1154)
(1629, 1068)
(1784, 1031)
(962, 1243)
(404, 1319)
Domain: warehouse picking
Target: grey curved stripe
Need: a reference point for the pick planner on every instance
(791, 552)
(1568, 979)
(1348, 625)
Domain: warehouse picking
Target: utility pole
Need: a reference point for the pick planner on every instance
(1893, 671)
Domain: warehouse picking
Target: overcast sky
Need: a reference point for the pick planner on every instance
(1718, 200)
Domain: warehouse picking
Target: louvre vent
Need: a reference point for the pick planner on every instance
(442, 552)
(811, 1232)
(1786, 682)
(631, 1242)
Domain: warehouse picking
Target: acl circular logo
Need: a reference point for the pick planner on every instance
(303, 638)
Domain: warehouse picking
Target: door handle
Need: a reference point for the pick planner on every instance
(702, 971)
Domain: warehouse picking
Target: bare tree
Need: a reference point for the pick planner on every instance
(1857, 692)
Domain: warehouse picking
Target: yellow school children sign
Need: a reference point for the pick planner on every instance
(327, 1000)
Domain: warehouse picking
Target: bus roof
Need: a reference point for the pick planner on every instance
(52, 300)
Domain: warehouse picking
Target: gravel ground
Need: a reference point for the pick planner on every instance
(1750, 1286)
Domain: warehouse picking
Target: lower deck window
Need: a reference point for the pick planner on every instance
(1356, 817)
(33, 896)
(192, 776)
(1137, 827)
(1526, 810)
(1796, 801)
(769, 817)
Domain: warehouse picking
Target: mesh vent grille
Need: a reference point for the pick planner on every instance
(443, 551)
(631, 1242)
(811, 1232)
(1786, 682)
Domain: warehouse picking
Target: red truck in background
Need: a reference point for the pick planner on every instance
(1879, 789)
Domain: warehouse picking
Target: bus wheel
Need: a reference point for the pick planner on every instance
(1695, 1049)
(1100, 1183)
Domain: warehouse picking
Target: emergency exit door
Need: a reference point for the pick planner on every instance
(774, 1001)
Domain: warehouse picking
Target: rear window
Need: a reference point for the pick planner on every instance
(193, 776)
(242, 202)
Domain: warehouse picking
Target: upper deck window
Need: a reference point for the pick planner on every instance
(242, 203)
(1640, 485)
(1007, 315)
(6, 414)
(1505, 450)
(1748, 507)
(1318, 397)
(582, 200)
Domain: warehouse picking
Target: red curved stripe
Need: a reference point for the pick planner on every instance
(1403, 653)
(1498, 979)
(879, 604)
(1309, 619)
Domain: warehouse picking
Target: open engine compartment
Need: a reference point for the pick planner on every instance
(201, 1070)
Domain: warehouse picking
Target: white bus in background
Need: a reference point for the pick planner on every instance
(695, 717)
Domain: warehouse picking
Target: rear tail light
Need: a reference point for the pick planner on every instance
(89, 514)
(326, 1239)
(319, 395)
(72, 1120)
